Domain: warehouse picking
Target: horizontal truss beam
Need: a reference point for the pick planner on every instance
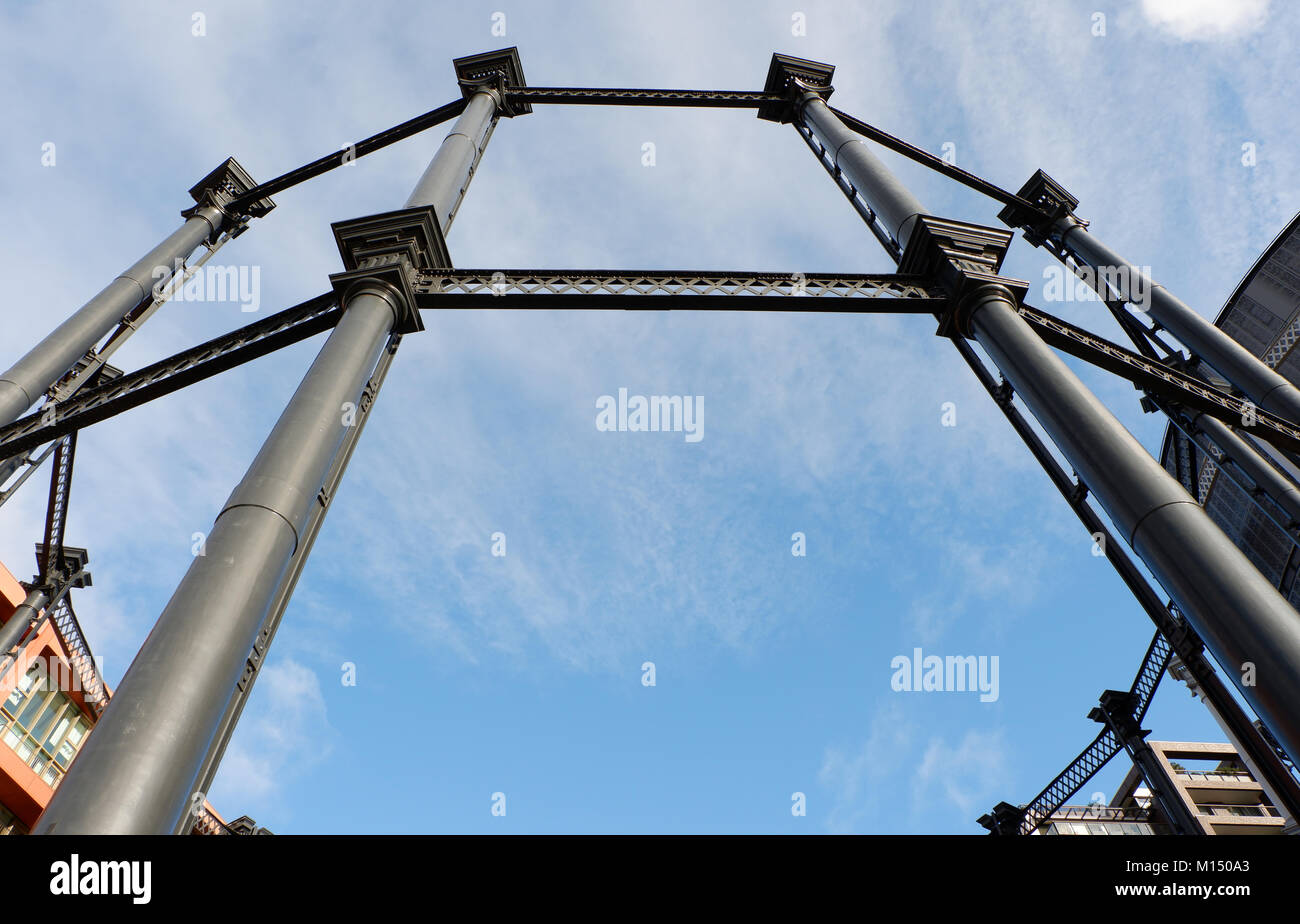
(592, 289)
(610, 96)
(613, 290)
(687, 290)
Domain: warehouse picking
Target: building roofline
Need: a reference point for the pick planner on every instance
(1246, 280)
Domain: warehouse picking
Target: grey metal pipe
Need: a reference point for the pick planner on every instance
(26, 380)
(1246, 624)
(138, 770)
(1237, 612)
(1229, 358)
(892, 202)
(23, 618)
(307, 538)
(135, 773)
(447, 177)
(1284, 464)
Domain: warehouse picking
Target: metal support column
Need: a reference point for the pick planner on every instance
(134, 774)
(892, 202)
(1248, 626)
(29, 378)
(1116, 713)
(483, 79)
(1225, 355)
(137, 772)
(1228, 357)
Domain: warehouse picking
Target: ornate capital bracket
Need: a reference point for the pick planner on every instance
(219, 188)
(1053, 200)
(1116, 712)
(791, 78)
(962, 257)
(391, 247)
(495, 71)
(1005, 819)
(70, 569)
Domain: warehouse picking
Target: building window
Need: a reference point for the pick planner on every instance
(9, 823)
(42, 725)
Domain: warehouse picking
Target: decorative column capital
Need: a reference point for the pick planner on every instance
(1005, 819)
(965, 258)
(493, 70)
(791, 78)
(1117, 712)
(1053, 200)
(69, 569)
(223, 185)
(390, 247)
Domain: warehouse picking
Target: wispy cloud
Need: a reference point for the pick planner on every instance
(1206, 20)
(968, 774)
(282, 735)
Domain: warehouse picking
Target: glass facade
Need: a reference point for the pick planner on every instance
(1097, 820)
(42, 725)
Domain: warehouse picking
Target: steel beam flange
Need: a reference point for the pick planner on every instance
(965, 259)
(497, 71)
(791, 78)
(224, 185)
(1052, 199)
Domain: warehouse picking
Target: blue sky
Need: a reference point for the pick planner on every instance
(522, 675)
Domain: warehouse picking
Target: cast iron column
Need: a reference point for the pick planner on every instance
(1247, 625)
(137, 771)
(29, 378)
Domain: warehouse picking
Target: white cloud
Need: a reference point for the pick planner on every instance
(968, 775)
(856, 780)
(1206, 20)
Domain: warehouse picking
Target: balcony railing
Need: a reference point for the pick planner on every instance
(1240, 811)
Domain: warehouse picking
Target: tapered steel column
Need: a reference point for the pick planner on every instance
(1250, 629)
(892, 202)
(447, 177)
(26, 380)
(137, 771)
(1229, 358)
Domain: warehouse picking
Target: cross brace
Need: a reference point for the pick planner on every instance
(605, 289)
